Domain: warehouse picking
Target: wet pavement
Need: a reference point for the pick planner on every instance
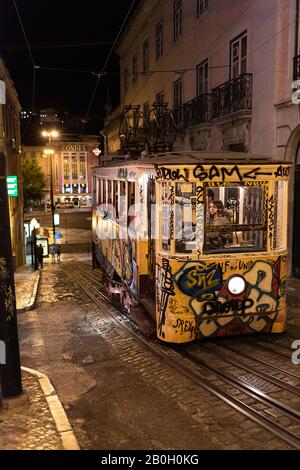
(118, 395)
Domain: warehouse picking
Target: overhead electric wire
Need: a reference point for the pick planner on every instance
(34, 71)
(104, 66)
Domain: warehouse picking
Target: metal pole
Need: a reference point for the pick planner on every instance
(51, 194)
(10, 371)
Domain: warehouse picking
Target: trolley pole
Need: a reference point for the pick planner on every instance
(10, 369)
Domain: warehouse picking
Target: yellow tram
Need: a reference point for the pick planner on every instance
(199, 239)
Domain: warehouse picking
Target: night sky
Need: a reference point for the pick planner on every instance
(88, 28)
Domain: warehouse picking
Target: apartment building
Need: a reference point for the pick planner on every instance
(10, 145)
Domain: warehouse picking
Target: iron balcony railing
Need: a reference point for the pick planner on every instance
(234, 95)
(296, 68)
(197, 111)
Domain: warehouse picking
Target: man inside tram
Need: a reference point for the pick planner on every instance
(218, 217)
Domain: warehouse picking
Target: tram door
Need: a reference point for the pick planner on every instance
(151, 242)
(296, 235)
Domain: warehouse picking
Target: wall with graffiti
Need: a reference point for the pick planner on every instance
(193, 299)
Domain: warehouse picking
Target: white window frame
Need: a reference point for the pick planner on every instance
(159, 39)
(202, 78)
(202, 7)
(237, 61)
(177, 19)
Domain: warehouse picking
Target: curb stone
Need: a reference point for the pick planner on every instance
(58, 413)
(33, 299)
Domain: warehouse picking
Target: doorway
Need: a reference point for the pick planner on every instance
(296, 232)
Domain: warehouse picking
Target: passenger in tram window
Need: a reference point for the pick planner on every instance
(218, 217)
(210, 196)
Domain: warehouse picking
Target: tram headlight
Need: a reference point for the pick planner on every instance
(236, 285)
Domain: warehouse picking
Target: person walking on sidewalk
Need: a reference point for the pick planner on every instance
(41, 255)
(53, 252)
(58, 252)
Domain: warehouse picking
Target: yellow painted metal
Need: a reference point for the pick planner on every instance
(192, 296)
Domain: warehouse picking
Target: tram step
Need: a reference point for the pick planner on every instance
(144, 321)
(149, 304)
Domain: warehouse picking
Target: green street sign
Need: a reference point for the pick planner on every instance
(12, 186)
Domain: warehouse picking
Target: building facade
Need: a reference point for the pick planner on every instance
(226, 69)
(10, 144)
(72, 162)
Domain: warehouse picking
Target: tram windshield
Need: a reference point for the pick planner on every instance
(232, 217)
(235, 218)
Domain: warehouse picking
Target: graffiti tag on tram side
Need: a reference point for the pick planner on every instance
(282, 171)
(271, 218)
(171, 174)
(237, 307)
(184, 326)
(219, 172)
(222, 172)
(198, 280)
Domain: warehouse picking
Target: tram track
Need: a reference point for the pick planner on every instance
(250, 398)
(259, 361)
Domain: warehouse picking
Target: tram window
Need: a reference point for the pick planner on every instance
(101, 181)
(109, 190)
(131, 194)
(235, 218)
(280, 201)
(104, 191)
(131, 201)
(116, 198)
(122, 188)
(166, 216)
(123, 203)
(185, 217)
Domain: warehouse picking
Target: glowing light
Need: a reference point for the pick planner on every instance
(236, 285)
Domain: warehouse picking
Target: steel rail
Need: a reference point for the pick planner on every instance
(243, 385)
(259, 361)
(252, 370)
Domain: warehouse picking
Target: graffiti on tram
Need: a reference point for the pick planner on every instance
(212, 310)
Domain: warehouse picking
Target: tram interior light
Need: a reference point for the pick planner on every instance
(236, 285)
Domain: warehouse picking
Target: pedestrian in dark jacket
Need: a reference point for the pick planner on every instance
(41, 255)
(58, 252)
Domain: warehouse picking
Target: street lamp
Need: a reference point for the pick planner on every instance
(51, 135)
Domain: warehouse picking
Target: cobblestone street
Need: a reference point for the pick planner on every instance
(117, 395)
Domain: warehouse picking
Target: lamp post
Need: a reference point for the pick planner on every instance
(50, 152)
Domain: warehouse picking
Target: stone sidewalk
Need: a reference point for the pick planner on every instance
(26, 285)
(27, 420)
(35, 420)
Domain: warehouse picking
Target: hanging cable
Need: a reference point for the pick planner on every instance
(35, 67)
(25, 37)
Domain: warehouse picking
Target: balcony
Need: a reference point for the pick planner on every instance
(296, 68)
(232, 96)
(197, 111)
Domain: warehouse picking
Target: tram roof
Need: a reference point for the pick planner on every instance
(192, 157)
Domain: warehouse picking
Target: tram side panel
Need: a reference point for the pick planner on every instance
(121, 245)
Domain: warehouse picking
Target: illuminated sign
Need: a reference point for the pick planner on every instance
(2, 92)
(12, 186)
(96, 152)
(74, 148)
(56, 219)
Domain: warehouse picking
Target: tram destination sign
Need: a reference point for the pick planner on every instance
(12, 186)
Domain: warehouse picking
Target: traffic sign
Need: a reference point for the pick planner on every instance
(96, 152)
(12, 186)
